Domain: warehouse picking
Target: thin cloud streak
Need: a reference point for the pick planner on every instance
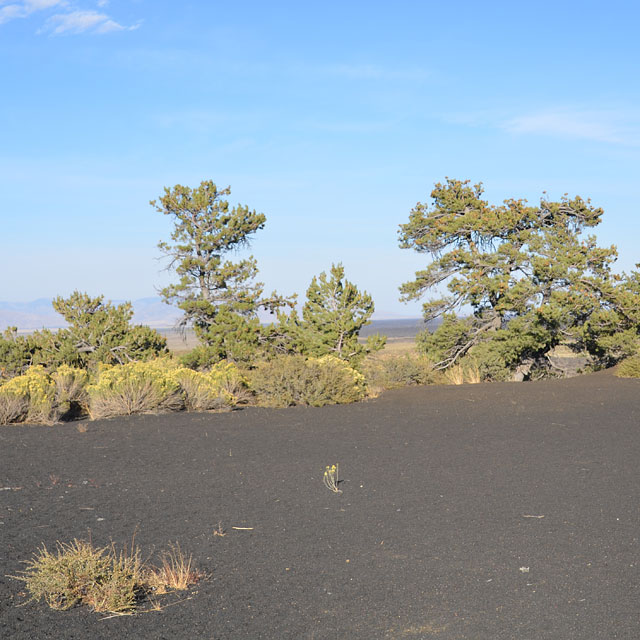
(63, 23)
(81, 21)
(612, 127)
(26, 8)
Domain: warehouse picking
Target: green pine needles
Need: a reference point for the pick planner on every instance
(531, 276)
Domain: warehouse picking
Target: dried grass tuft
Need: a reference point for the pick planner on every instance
(175, 572)
(14, 407)
(78, 573)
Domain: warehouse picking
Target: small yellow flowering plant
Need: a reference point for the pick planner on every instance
(330, 478)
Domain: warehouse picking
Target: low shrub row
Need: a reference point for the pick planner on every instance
(159, 385)
(46, 397)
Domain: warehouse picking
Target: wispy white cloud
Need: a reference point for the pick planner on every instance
(613, 126)
(24, 9)
(617, 126)
(68, 20)
(81, 21)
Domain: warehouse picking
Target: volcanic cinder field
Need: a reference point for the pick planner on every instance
(481, 512)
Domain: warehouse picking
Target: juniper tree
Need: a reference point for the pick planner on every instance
(98, 332)
(16, 353)
(220, 298)
(531, 277)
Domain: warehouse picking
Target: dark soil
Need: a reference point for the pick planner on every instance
(503, 511)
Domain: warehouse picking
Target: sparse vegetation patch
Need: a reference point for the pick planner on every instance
(79, 573)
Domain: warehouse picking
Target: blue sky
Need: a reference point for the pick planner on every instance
(331, 118)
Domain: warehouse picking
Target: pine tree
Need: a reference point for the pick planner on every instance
(220, 298)
(332, 317)
(531, 277)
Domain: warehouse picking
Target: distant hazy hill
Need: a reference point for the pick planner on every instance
(28, 316)
(37, 314)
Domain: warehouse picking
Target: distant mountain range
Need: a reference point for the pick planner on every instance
(38, 314)
(28, 316)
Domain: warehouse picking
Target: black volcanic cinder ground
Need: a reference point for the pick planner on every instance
(438, 532)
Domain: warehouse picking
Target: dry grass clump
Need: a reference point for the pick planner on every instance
(71, 391)
(175, 572)
(14, 407)
(466, 372)
(293, 380)
(136, 387)
(78, 573)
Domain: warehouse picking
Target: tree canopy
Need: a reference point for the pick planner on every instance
(334, 313)
(220, 298)
(98, 332)
(530, 276)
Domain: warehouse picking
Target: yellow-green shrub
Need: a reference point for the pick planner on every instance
(202, 391)
(290, 380)
(81, 573)
(629, 368)
(34, 390)
(231, 381)
(136, 387)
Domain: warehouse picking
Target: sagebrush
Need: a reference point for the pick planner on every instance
(80, 573)
(136, 387)
(30, 397)
(295, 380)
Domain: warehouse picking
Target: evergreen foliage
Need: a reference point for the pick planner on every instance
(333, 315)
(220, 298)
(98, 332)
(530, 275)
(16, 353)
(629, 368)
